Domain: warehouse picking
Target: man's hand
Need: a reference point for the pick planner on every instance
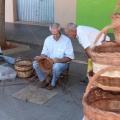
(56, 60)
(37, 58)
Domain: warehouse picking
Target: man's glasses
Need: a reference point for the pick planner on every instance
(57, 34)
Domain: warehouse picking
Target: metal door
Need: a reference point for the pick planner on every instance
(36, 10)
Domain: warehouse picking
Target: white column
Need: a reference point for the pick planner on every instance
(10, 11)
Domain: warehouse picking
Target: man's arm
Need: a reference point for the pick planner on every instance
(88, 51)
(43, 55)
(62, 60)
(37, 58)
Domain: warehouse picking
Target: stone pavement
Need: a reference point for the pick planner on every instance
(66, 105)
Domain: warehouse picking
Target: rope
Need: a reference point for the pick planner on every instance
(66, 90)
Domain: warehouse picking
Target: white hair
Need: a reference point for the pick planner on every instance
(70, 26)
(55, 25)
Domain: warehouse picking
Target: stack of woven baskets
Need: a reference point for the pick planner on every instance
(101, 100)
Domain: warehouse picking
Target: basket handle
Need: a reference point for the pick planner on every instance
(105, 31)
(97, 75)
(20, 56)
(117, 7)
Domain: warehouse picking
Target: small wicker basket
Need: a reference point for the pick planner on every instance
(116, 19)
(23, 68)
(46, 65)
(101, 104)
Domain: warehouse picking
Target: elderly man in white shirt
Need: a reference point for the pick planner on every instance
(59, 48)
(86, 36)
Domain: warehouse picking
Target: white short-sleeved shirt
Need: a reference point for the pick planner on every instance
(86, 36)
(58, 49)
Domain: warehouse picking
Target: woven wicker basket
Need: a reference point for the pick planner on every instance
(100, 104)
(23, 68)
(116, 16)
(46, 65)
(109, 52)
(105, 82)
(106, 55)
(97, 67)
(116, 19)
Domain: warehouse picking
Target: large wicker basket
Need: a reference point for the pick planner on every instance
(107, 54)
(46, 65)
(100, 104)
(116, 19)
(23, 68)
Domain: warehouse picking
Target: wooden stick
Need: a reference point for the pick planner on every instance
(79, 61)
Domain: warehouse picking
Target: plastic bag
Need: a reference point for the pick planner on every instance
(7, 73)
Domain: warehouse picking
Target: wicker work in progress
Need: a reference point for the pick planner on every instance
(116, 19)
(23, 68)
(101, 104)
(46, 65)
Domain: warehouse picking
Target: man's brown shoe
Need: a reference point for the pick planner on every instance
(50, 87)
(43, 84)
(48, 79)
